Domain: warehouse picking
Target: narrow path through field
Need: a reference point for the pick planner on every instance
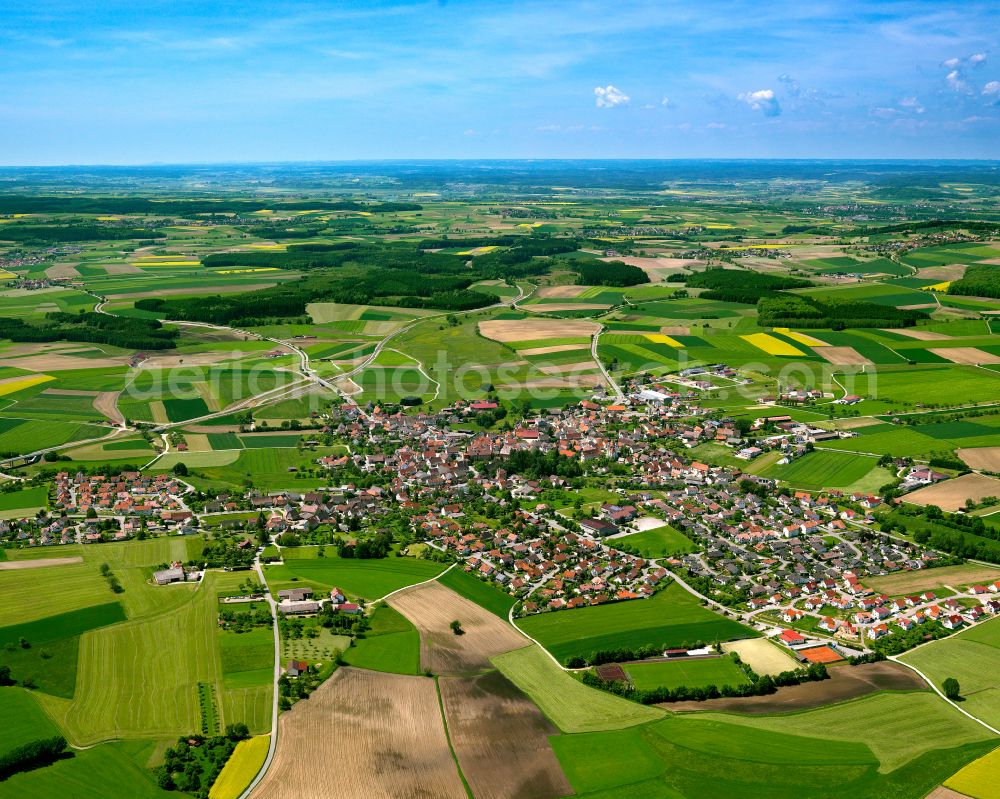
(619, 394)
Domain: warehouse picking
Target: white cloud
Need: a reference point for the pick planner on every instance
(762, 100)
(665, 102)
(913, 104)
(992, 88)
(977, 58)
(955, 82)
(884, 112)
(951, 63)
(610, 97)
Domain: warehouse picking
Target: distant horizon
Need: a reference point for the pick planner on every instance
(298, 81)
(505, 160)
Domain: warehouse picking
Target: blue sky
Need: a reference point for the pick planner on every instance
(157, 81)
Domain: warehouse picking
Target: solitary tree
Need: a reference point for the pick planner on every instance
(456, 627)
(952, 689)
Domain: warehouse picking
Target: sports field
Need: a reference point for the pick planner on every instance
(671, 618)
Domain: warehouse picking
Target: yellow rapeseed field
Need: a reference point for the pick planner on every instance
(244, 271)
(660, 338)
(771, 345)
(979, 778)
(21, 383)
(478, 250)
(938, 286)
(802, 338)
(148, 264)
(241, 768)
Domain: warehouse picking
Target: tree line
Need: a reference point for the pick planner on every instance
(16, 204)
(758, 686)
(32, 754)
(95, 328)
(48, 234)
(980, 280)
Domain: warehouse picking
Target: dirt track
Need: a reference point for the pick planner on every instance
(37, 563)
(364, 735)
(432, 608)
(846, 682)
(501, 739)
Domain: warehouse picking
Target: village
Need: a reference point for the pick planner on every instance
(791, 563)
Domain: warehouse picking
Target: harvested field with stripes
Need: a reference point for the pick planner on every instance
(501, 739)
(364, 735)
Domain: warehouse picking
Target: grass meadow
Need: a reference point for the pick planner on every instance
(392, 644)
(691, 673)
(568, 703)
(369, 579)
(672, 617)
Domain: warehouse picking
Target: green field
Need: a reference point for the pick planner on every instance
(689, 673)
(897, 727)
(671, 618)
(65, 588)
(660, 542)
(822, 469)
(970, 657)
(392, 644)
(692, 757)
(24, 502)
(247, 658)
(483, 594)
(51, 659)
(148, 672)
(25, 720)
(370, 579)
(102, 772)
(568, 703)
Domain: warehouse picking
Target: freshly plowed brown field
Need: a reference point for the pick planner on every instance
(501, 739)
(364, 735)
(432, 608)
